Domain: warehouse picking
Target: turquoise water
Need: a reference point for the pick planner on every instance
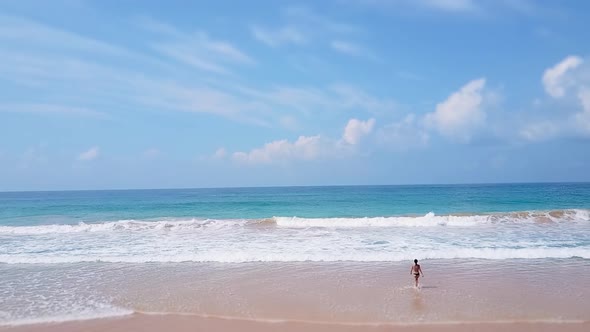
(46, 235)
(72, 207)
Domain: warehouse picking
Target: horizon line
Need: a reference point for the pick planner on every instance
(301, 186)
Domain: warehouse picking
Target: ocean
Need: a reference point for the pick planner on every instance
(89, 254)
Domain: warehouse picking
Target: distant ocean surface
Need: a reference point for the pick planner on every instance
(89, 254)
(346, 223)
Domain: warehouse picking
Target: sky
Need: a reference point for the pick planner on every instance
(181, 94)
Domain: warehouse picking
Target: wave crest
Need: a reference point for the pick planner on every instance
(428, 220)
(123, 225)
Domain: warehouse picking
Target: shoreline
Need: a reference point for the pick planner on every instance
(354, 295)
(401, 185)
(190, 322)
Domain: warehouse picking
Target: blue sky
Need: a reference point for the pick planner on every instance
(147, 94)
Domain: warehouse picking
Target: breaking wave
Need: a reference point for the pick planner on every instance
(428, 220)
(514, 235)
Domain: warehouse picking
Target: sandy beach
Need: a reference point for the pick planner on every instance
(517, 270)
(182, 323)
(343, 296)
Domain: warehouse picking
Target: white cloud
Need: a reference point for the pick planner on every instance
(152, 25)
(202, 52)
(308, 147)
(220, 153)
(449, 5)
(352, 49)
(123, 88)
(277, 37)
(555, 79)
(300, 98)
(355, 130)
(539, 131)
(570, 75)
(40, 69)
(582, 119)
(224, 49)
(346, 47)
(461, 113)
(289, 122)
(90, 154)
(18, 29)
(97, 78)
(129, 89)
(582, 123)
(334, 97)
(304, 148)
(196, 49)
(19, 32)
(319, 24)
(202, 99)
(403, 135)
(41, 108)
(584, 97)
(351, 97)
(185, 56)
(477, 7)
(302, 26)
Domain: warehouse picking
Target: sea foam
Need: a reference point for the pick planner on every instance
(428, 220)
(309, 256)
(513, 235)
(122, 226)
(75, 314)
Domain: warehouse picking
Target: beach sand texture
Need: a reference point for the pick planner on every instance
(468, 295)
(190, 323)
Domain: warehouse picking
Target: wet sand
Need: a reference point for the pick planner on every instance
(186, 323)
(466, 295)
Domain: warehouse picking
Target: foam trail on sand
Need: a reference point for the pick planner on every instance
(75, 314)
(335, 256)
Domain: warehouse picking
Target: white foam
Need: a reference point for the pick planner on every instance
(581, 214)
(104, 311)
(550, 234)
(315, 256)
(122, 225)
(427, 220)
(430, 219)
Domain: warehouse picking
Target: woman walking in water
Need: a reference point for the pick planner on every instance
(416, 271)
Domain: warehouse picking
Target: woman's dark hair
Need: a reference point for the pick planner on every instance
(416, 261)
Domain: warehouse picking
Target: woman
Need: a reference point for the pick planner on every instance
(416, 271)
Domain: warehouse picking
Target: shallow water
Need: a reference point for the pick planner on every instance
(452, 290)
